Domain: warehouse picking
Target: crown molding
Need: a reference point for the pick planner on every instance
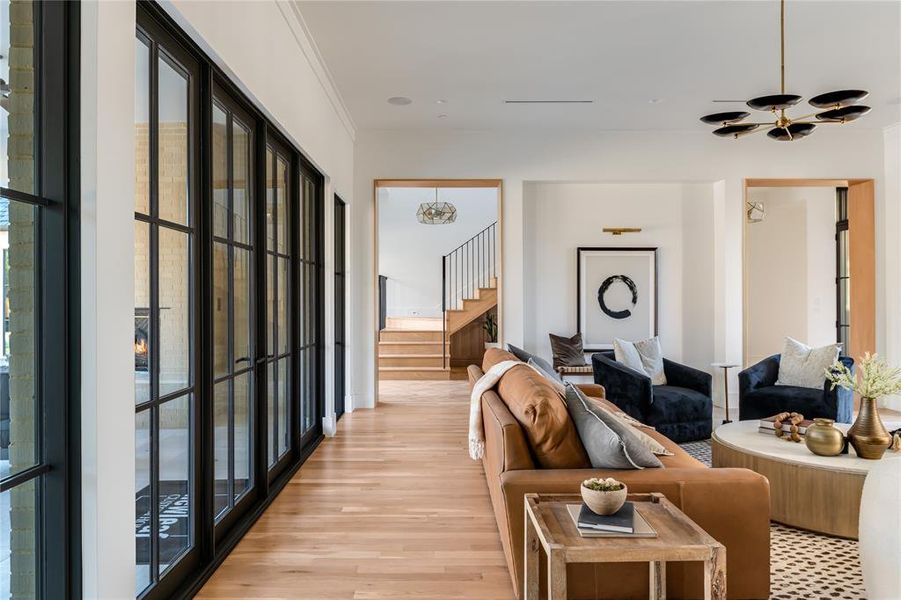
(307, 44)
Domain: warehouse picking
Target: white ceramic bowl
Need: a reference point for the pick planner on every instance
(604, 503)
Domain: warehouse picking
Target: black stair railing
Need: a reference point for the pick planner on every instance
(465, 269)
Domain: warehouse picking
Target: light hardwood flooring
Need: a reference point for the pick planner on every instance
(391, 508)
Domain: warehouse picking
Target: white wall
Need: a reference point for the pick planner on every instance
(790, 270)
(410, 253)
(560, 217)
(263, 45)
(888, 254)
(601, 156)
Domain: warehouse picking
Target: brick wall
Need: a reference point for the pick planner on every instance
(23, 449)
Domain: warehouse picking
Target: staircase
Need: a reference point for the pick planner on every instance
(420, 349)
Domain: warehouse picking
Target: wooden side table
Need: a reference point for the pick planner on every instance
(550, 527)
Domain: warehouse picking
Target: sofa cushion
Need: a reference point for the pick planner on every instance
(638, 428)
(541, 412)
(495, 355)
(772, 400)
(609, 442)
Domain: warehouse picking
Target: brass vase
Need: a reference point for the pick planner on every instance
(824, 439)
(868, 435)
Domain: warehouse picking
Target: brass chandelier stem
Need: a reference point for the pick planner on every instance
(782, 43)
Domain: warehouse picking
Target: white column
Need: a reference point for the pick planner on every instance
(107, 299)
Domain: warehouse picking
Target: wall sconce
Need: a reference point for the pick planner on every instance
(622, 230)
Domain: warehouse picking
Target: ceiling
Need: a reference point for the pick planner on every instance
(646, 65)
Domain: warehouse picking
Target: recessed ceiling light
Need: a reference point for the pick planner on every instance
(441, 101)
(655, 100)
(442, 116)
(399, 100)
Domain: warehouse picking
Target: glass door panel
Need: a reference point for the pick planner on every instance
(278, 332)
(310, 396)
(232, 307)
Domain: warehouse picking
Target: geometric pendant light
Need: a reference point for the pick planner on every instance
(436, 213)
(836, 107)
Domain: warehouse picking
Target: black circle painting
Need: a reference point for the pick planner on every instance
(602, 291)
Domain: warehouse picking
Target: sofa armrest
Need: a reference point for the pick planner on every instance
(742, 524)
(625, 387)
(763, 374)
(687, 377)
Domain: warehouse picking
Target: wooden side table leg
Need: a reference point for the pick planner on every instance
(715, 575)
(657, 575)
(556, 575)
(532, 548)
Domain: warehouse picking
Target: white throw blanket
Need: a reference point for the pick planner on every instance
(485, 383)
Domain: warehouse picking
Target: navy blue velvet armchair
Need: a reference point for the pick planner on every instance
(759, 396)
(681, 410)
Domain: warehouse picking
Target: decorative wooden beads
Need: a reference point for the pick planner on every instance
(794, 419)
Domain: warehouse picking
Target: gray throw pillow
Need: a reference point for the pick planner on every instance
(609, 442)
(538, 362)
(568, 352)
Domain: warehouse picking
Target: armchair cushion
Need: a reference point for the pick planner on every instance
(768, 401)
(681, 414)
(803, 366)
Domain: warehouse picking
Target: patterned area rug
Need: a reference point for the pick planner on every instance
(805, 565)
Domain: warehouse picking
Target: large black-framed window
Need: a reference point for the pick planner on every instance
(167, 280)
(340, 303)
(255, 231)
(39, 445)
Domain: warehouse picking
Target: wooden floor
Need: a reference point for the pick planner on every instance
(390, 508)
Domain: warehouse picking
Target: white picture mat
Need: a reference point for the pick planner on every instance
(599, 329)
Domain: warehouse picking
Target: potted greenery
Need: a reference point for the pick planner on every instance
(875, 380)
(604, 496)
(490, 327)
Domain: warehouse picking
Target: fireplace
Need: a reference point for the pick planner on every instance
(142, 339)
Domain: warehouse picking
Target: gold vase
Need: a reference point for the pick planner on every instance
(868, 435)
(824, 439)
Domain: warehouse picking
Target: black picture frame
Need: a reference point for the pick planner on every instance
(581, 318)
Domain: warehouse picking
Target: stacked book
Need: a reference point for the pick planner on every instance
(768, 426)
(626, 522)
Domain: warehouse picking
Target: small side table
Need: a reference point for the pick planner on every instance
(550, 527)
(725, 367)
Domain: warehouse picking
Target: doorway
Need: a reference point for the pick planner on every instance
(804, 242)
(438, 264)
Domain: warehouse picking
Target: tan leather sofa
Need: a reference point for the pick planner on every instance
(732, 505)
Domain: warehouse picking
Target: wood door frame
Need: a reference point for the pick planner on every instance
(865, 291)
(497, 184)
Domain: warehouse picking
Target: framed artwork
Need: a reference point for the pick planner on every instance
(616, 295)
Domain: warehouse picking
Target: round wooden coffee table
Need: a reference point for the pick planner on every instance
(818, 493)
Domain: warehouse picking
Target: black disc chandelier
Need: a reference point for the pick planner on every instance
(835, 107)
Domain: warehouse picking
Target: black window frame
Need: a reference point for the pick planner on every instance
(56, 198)
(214, 541)
(842, 281)
(165, 46)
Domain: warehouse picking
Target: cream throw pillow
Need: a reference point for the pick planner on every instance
(803, 366)
(644, 356)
